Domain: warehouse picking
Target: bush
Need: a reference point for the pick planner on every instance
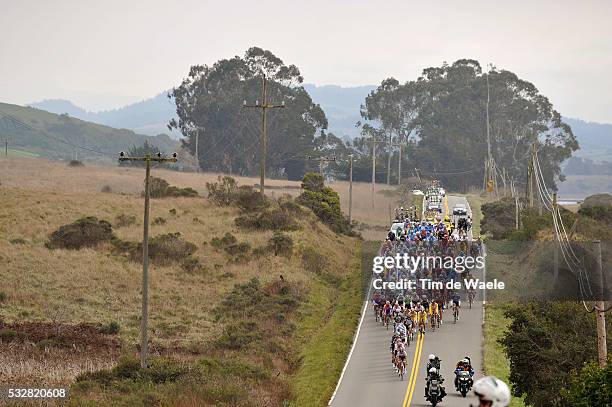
(125, 220)
(163, 249)
(237, 335)
(106, 189)
(270, 219)
(223, 192)
(238, 249)
(281, 245)
(75, 163)
(159, 221)
(591, 386)
(160, 188)
(324, 202)
(85, 232)
(249, 200)
(112, 328)
(2, 297)
(192, 265)
(226, 240)
(499, 218)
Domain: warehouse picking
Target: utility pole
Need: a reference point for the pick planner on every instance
(516, 212)
(416, 170)
(264, 106)
(600, 306)
(145, 249)
(197, 151)
(350, 188)
(322, 160)
(556, 245)
(6, 147)
(399, 169)
(374, 141)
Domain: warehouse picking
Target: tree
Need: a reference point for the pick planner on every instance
(209, 106)
(441, 118)
(545, 342)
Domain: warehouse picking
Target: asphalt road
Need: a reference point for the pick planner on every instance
(369, 378)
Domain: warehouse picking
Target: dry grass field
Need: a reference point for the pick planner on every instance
(73, 294)
(40, 174)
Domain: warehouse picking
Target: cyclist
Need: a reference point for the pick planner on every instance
(492, 392)
(456, 304)
(434, 312)
(386, 312)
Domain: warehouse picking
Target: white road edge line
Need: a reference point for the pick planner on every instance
(348, 359)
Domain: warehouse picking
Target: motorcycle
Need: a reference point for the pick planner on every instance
(464, 382)
(434, 392)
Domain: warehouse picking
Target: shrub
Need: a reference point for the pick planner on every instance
(499, 218)
(85, 232)
(163, 249)
(238, 249)
(106, 189)
(159, 221)
(192, 265)
(75, 163)
(324, 202)
(591, 386)
(270, 219)
(249, 200)
(160, 188)
(226, 240)
(111, 328)
(281, 245)
(2, 297)
(124, 220)
(223, 192)
(237, 335)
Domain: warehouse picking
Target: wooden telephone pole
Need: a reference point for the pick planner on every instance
(145, 248)
(264, 106)
(322, 160)
(600, 307)
(350, 188)
(374, 141)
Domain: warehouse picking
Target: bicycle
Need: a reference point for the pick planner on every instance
(455, 313)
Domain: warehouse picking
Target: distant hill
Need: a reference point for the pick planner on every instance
(37, 132)
(595, 139)
(149, 116)
(341, 106)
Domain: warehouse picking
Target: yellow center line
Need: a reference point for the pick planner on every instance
(445, 206)
(415, 370)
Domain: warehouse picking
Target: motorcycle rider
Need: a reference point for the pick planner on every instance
(492, 392)
(433, 374)
(433, 361)
(464, 364)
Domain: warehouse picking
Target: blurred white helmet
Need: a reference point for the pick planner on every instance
(490, 388)
(433, 370)
(465, 361)
(431, 357)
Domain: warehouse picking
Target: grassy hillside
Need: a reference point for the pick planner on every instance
(29, 130)
(216, 337)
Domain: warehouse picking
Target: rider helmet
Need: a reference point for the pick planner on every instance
(465, 361)
(433, 370)
(431, 357)
(492, 389)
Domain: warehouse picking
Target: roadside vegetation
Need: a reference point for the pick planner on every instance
(545, 349)
(211, 281)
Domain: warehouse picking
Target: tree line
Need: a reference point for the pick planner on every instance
(439, 120)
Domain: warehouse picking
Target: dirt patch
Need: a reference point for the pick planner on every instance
(49, 334)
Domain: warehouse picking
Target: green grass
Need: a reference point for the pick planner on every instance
(475, 203)
(328, 325)
(495, 360)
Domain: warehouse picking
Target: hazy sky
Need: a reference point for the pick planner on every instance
(103, 54)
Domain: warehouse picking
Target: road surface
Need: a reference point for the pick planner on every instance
(369, 379)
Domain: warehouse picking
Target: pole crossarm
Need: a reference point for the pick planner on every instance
(156, 158)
